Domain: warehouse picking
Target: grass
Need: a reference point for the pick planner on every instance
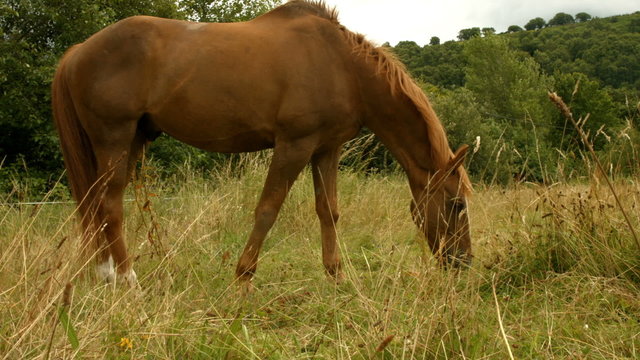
(555, 267)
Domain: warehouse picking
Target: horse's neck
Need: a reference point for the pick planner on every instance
(400, 127)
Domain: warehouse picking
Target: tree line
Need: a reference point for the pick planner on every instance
(489, 89)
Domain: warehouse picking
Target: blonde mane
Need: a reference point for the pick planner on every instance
(401, 82)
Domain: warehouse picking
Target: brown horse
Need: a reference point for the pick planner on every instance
(294, 80)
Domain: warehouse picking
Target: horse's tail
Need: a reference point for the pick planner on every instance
(77, 151)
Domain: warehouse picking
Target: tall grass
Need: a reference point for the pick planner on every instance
(555, 276)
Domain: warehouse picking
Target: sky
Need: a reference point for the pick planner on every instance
(419, 20)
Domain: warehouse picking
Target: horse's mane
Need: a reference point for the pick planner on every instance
(313, 7)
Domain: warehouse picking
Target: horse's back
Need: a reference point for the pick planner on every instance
(220, 86)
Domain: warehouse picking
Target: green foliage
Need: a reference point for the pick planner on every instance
(585, 97)
(27, 132)
(171, 157)
(507, 82)
(225, 10)
(634, 25)
(603, 49)
(434, 40)
(582, 17)
(536, 23)
(514, 28)
(409, 53)
(514, 95)
(488, 31)
(463, 117)
(561, 19)
(466, 34)
(441, 65)
(68, 327)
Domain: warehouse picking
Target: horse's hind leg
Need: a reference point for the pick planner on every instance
(115, 160)
(287, 162)
(325, 171)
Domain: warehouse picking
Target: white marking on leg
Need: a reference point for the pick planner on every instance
(106, 271)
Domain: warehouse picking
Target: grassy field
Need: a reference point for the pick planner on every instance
(556, 275)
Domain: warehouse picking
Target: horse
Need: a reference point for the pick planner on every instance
(293, 79)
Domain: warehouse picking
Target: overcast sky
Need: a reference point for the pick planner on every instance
(419, 20)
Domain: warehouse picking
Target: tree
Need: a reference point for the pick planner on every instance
(561, 19)
(409, 53)
(634, 25)
(514, 28)
(509, 82)
(441, 65)
(463, 117)
(434, 40)
(225, 10)
(466, 34)
(487, 31)
(513, 92)
(584, 96)
(583, 17)
(536, 23)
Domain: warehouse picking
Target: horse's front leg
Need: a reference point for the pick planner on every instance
(325, 172)
(287, 162)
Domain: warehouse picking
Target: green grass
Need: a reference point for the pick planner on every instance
(560, 261)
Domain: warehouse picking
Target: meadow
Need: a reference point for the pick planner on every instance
(556, 275)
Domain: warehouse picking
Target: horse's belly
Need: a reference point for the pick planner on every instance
(242, 142)
(221, 138)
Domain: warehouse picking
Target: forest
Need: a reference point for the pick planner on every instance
(506, 116)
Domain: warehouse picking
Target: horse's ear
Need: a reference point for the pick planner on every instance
(458, 158)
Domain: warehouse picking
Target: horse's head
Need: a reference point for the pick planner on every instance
(441, 212)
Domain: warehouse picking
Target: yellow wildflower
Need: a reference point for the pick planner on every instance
(126, 343)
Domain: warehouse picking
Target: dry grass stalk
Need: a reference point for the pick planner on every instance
(564, 109)
(502, 332)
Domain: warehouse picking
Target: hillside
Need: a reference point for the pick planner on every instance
(605, 49)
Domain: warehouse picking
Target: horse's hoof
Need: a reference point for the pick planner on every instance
(334, 273)
(245, 286)
(336, 277)
(128, 278)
